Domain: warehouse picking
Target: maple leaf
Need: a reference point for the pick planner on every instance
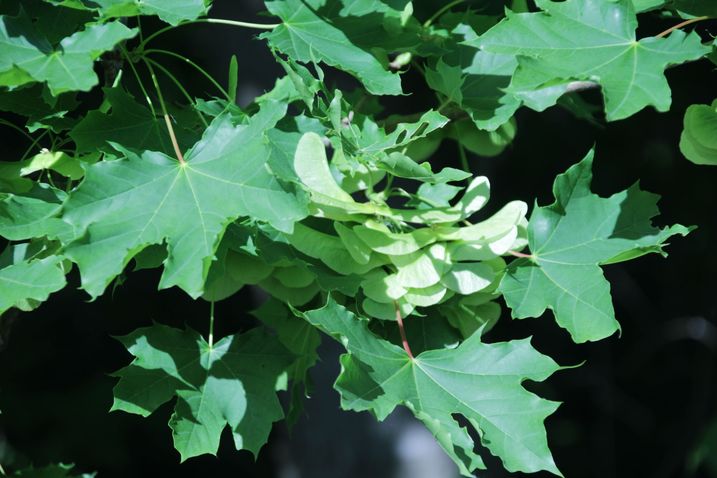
(29, 56)
(230, 383)
(589, 40)
(569, 240)
(25, 282)
(125, 205)
(173, 13)
(306, 37)
(481, 382)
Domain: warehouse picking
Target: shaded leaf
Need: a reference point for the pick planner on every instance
(216, 385)
(699, 137)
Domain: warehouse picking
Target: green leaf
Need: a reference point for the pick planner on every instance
(479, 88)
(568, 245)
(25, 282)
(216, 385)
(60, 162)
(481, 382)
(699, 137)
(591, 40)
(177, 12)
(27, 56)
(330, 250)
(302, 340)
(697, 8)
(374, 139)
(483, 143)
(645, 5)
(127, 123)
(312, 168)
(33, 216)
(306, 37)
(233, 81)
(125, 205)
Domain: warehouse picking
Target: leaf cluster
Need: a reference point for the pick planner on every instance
(337, 209)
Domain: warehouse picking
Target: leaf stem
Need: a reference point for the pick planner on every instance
(220, 21)
(180, 87)
(195, 66)
(520, 254)
(16, 128)
(680, 25)
(210, 340)
(167, 121)
(34, 143)
(441, 11)
(139, 81)
(464, 158)
(402, 330)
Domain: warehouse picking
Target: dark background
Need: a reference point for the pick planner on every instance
(637, 407)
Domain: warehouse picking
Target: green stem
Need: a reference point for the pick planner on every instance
(16, 128)
(179, 86)
(220, 21)
(139, 82)
(441, 11)
(167, 121)
(464, 158)
(139, 27)
(195, 66)
(211, 324)
(444, 104)
(34, 144)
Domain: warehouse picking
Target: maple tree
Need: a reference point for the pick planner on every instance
(332, 207)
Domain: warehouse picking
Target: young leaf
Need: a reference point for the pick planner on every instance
(481, 382)
(568, 245)
(306, 37)
(125, 205)
(216, 385)
(590, 40)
